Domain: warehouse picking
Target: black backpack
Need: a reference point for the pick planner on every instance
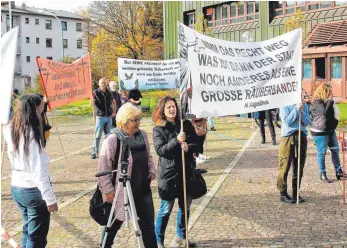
(98, 209)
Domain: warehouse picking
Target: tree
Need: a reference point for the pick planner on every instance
(297, 20)
(135, 26)
(68, 60)
(201, 25)
(104, 53)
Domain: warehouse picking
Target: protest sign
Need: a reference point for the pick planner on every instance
(144, 74)
(65, 83)
(237, 77)
(8, 60)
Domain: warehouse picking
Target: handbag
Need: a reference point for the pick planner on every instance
(98, 209)
(198, 186)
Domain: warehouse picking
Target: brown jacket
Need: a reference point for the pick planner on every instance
(106, 160)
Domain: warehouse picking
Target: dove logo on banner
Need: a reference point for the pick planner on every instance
(144, 75)
(8, 59)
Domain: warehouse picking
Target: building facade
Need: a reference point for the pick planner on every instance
(40, 36)
(324, 57)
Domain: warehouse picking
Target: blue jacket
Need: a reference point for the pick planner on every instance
(290, 120)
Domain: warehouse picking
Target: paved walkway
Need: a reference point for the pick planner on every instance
(241, 210)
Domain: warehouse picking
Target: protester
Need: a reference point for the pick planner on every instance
(117, 98)
(200, 125)
(123, 96)
(266, 114)
(15, 94)
(288, 150)
(211, 123)
(31, 187)
(45, 123)
(104, 108)
(324, 122)
(141, 169)
(169, 140)
(135, 97)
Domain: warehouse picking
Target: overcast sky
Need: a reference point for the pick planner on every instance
(68, 5)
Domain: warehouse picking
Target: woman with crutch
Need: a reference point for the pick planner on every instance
(31, 187)
(141, 170)
(169, 141)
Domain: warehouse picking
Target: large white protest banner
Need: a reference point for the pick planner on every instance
(237, 77)
(145, 74)
(8, 59)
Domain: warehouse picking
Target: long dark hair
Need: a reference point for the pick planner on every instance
(159, 112)
(25, 121)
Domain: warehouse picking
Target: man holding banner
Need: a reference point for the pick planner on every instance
(105, 108)
(289, 148)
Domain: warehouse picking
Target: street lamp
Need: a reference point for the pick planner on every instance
(61, 29)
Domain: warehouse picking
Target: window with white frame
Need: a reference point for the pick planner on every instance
(232, 12)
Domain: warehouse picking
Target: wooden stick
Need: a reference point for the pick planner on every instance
(3, 145)
(56, 127)
(184, 190)
(344, 168)
(299, 159)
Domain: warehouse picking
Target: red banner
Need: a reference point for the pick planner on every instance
(65, 83)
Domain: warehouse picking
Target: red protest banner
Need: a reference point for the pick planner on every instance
(65, 83)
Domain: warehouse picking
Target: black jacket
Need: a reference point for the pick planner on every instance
(323, 116)
(117, 98)
(168, 148)
(103, 105)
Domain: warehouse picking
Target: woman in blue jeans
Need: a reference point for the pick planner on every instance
(324, 116)
(31, 187)
(169, 140)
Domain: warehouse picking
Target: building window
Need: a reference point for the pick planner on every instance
(78, 26)
(28, 59)
(336, 67)
(221, 15)
(65, 43)
(320, 68)
(79, 43)
(235, 12)
(307, 68)
(289, 7)
(50, 58)
(27, 39)
(189, 19)
(26, 20)
(64, 25)
(48, 24)
(37, 40)
(49, 42)
(340, 3)
(37, 22)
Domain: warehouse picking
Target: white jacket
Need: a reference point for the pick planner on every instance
(31, 171)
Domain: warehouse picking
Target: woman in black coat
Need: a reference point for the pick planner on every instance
(169, 140)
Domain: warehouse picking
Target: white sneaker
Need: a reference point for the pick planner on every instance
(199, 161)
(203, 157)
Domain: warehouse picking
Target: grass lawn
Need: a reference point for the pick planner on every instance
(149, 101)
(343, 111)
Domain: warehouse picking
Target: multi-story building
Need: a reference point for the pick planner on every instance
(324, 50)
(40, 36)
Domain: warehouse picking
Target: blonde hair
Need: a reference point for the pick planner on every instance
(323, 92)
(125, 113)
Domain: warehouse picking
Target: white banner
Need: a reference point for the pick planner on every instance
(8, 60)
(145, 74)
(230, 78)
